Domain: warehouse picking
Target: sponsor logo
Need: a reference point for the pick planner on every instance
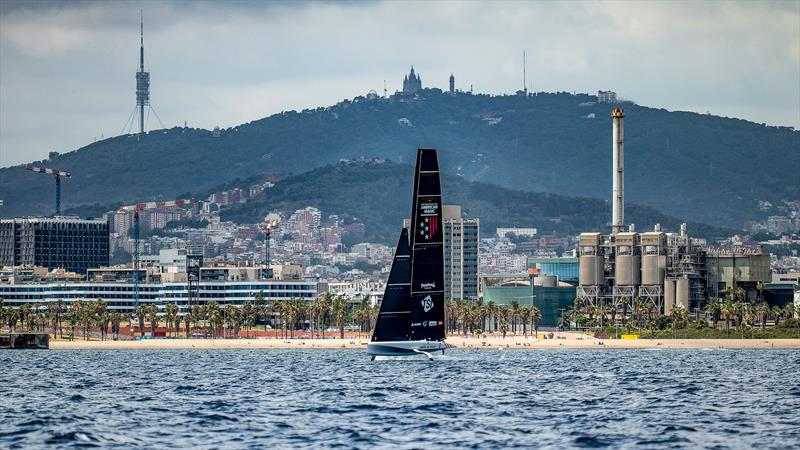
(429, 225)
(428, 285)
(432, 323)
(416, 324)
(427, 303)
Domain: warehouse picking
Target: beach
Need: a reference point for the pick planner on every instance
(559, 341)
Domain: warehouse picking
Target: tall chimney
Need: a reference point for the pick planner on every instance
(618, 168)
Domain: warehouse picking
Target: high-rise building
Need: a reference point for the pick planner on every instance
(461, 238)
(69, 243)
(452, 85)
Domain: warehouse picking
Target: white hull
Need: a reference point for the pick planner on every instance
(405, 348)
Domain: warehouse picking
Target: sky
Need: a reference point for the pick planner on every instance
(67, 68)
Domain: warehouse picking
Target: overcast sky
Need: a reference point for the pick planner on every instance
(67, 68)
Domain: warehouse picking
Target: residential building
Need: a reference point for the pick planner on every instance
(68, 243)
(461, 238)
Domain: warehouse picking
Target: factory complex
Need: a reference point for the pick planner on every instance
(662, 268)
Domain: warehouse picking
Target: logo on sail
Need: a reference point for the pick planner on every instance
(427, 303)
(429, 224)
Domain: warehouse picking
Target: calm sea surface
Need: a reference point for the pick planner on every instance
(468, 399)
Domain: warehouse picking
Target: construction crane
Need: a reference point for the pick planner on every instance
(136, 232)
(58, 174)
(267, 231)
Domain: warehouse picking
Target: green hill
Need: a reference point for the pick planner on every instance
(698, 167)
(379, 195)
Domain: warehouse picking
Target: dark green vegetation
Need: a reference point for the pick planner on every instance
(728, 317)
(698, 167)
(379, 194)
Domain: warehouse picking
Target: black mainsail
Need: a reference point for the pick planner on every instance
(394, 318)
(427, 251)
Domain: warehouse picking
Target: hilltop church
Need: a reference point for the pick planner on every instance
(412, 83)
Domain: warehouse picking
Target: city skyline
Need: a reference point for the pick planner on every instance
(49, 54)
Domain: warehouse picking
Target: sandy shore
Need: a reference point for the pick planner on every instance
(560, 340)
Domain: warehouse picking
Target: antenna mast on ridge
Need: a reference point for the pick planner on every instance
(524, 74)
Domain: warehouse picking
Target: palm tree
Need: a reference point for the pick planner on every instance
(525, 317)
(503, 320)
(327, 311)
(777, 312)
(141, 312)
(450, 315)
(360, 315)
(514, 313)
(171, 317)
(339, 310)
(213, 314)
(152, 312)
(713, 309)
(491, 311)
(536, 316)
(259, 306)
(762, 309)
(248, 316)
(728, 312)
(229, 319)
(101, 316)
(116, 319)
(56, 311)
(678, 316)
(320, 309)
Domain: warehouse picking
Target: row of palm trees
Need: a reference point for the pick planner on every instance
(83, 315)
(478, 317)
(93, 318)
(640, 314)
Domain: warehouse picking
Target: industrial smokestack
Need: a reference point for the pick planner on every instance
(618, 175)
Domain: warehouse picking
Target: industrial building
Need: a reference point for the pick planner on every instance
(545, 292)
(565, 268)
(69, 243)
(666, 269)
(735, 268)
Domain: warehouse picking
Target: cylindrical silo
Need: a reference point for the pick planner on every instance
(669, 295)
(653, 269)
(591, 270)
(627, 270)
(682, 292)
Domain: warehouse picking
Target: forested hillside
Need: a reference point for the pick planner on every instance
(697, 167)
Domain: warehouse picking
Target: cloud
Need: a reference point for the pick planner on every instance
(67, 69)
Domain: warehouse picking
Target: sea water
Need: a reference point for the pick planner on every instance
(467, 399)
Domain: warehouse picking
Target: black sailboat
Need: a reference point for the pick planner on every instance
(411, 319)
(393, 322)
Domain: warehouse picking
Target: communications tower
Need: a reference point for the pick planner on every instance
(142, 79)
